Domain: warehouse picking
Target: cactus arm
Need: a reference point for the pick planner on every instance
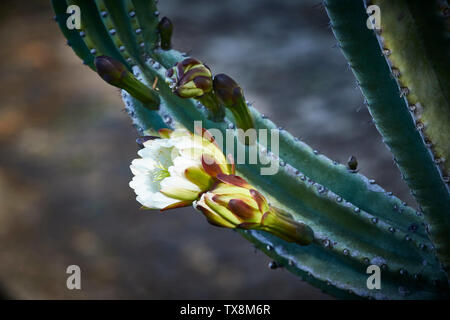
(96, 36)
(414, 35)
(74, 39)
(392, 118)
(352, 186)
(147, 15)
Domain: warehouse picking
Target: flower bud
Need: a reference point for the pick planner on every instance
(234, 203)
(232, 96)
(190, 78)
(352, 163)
(165, 28)
(116, 74)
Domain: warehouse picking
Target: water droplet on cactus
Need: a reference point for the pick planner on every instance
(357, 210)
(112, 32)
(104, 14)
(282, 163)
(138, 31)
(413, 227)
(273, 265)
(280, 128)
(82, 34)
(339, 199)
(167, 119)
(391, 229)
(327, 243)
(156, 13)
(315, 152)
(366, 260)
(93, 51)
(291, 263)
(374, 220)
(132, 14)
(407, 238)
(269, 247)
(372, 181)
(346, 252)
(403, 272)
(390, 193)
(121, 48)
(419, 125)
(231, 125)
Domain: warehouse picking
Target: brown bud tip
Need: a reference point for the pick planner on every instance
(165, 28)
(352, 163)
(110, 70)
(227, 90)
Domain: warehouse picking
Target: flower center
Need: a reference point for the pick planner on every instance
(161, 173)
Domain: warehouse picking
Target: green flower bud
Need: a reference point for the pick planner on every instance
(232, 96)
(165, 28)
(116, 74)
(192, 79)
(234, 203)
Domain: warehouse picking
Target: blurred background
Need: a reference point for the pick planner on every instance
(66, 145)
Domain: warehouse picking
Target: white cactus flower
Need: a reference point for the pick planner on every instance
(172, 172)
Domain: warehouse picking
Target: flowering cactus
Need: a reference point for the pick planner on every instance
(179, 168)
(356, 222)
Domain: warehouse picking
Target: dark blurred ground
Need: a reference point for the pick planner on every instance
(66, 146)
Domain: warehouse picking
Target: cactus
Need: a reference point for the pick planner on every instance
(356, 223)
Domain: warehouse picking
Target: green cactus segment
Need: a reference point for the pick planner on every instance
(352, 186)
(119, 27)
(95, 35)
(148, 16)
(392, 118)
(334, 275)
(144, 120)
(419, 50)
(74, 39)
